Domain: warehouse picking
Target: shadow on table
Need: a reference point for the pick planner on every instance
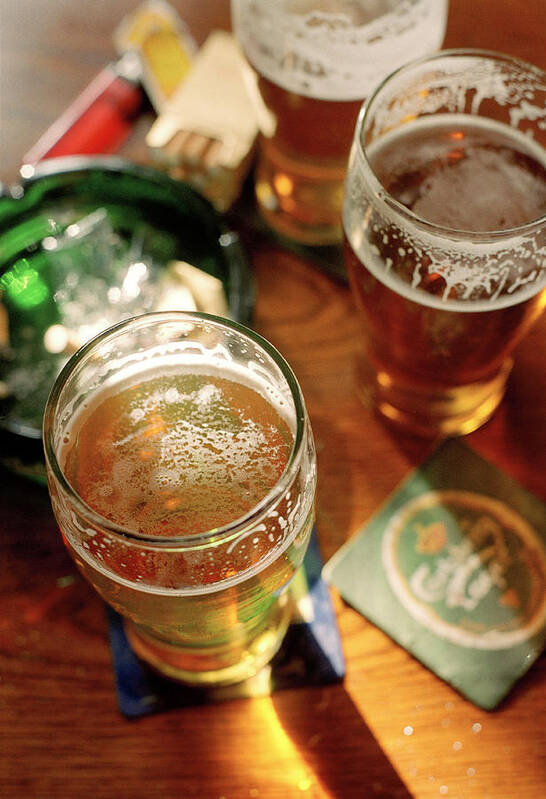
(321, 721)
(416, 449)
(334, 740)
(255, 233)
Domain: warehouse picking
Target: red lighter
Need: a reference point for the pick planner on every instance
(99, 119)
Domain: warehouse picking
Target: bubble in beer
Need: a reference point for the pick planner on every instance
(160, 456)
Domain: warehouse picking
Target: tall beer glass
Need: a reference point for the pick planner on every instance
(316, 61)
(182, 474)
(444, 217)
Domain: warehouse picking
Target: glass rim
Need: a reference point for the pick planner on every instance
(384, 196)
(228, 530)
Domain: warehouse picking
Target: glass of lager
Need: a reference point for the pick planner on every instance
(181, 470)
(317, 60)
(444, 218)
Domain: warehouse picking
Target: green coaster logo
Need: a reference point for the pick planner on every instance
(468, 568)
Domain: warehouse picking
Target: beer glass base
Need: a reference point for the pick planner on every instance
(212, 666)
(298, 198)
(432, 411)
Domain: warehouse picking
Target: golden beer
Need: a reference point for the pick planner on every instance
(446, 260)
(316, 62)
(300, 171)
(198, 514)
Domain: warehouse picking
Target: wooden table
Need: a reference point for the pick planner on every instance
(62, 733)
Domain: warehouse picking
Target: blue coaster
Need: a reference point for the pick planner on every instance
(311, 654)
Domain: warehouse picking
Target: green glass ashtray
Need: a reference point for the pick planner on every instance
(84, 243)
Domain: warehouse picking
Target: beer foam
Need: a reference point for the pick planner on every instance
(197, 453)
(459, 85)
(171, 358)
(507, 267)
(190, 433)
(336, 49)
(484, 192)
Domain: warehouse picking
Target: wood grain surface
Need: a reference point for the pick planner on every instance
(61, 734)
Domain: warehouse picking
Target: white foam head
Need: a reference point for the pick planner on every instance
(335, 49)
(504, 266)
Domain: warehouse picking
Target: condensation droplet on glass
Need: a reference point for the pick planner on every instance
(476, 728)
(444, 790)
(471, 771)
(457, 746)
(408, 730)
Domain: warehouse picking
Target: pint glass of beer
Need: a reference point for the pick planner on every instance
(182, 474)
(316, 61)
(444, 218)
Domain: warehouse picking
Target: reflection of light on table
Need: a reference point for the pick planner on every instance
(294, 771)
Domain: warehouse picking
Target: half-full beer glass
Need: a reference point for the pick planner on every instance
(444, 217)
(317, 60)
(182, 474)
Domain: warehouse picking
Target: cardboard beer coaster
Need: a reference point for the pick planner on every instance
(311, 654)
(453, 568)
